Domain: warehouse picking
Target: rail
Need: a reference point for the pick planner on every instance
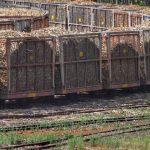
(63, 141)
(73, 123)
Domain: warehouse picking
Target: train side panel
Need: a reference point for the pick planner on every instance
(80, 63)
(28, 68)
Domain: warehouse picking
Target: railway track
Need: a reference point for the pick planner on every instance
(63, 141)
(72, 123)
(68, 112)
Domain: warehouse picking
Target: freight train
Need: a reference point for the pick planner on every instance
(127, 2)
(104, 48)
(138, 2)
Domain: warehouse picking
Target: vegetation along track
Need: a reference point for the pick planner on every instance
(63, 141)
(68, 112)
(73, 123)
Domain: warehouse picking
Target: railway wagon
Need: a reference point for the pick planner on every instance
(71, 63)
(86, 17)
(57, 11)
(32, 67)
(8, 1)
(78, 67)
(76, 63)
(40, 22)
(145, 2)
(121, 60)
(26, 67)
(24, 23)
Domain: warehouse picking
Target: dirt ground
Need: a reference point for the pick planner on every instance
(74, 102)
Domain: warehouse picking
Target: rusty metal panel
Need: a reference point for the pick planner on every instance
(40, 22)
(135, 19)
(102, 17)
(30, 64)
(6, 25)
(146, 38)
(121, 19)
(45, 21)
(80, 63)
(37, 23)
(123, 59)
